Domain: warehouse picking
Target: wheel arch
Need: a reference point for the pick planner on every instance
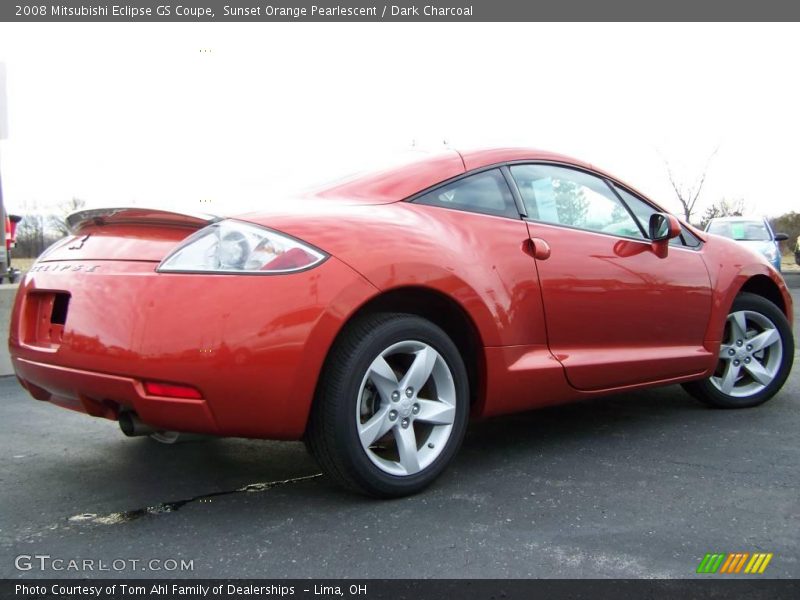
(758, 293)
(756, 279)
(440, 309)
(763, 286)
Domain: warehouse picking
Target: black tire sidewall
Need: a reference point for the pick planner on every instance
(362, 469)
(706, 390)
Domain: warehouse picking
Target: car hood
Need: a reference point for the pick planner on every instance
(759, 247)
(755, 244)
(743, 248)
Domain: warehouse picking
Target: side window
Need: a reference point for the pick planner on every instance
(574, 198)
(689, 239)
(485, 192)
(642, 210)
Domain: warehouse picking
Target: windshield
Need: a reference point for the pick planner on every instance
(751, 231)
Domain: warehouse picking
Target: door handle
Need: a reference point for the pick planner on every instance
(541, 249)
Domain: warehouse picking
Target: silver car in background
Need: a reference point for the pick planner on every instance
(753, 232)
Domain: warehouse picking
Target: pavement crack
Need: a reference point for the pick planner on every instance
(127, 516)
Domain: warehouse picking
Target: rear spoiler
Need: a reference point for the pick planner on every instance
(138, 216)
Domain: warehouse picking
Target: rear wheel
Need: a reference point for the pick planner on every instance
(755, 357)
(392, 406)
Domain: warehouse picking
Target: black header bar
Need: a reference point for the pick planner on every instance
(396, 589)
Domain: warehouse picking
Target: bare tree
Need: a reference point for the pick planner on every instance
(58, 223)
(723, 208)
(32, 235)
(688, 194)
(40, 228)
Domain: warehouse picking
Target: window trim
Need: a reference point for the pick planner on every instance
(505, 169)
(613, 188)
(615, 184)
(512, 184)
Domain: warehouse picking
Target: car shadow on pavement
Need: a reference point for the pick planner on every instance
(113, 479)
(552, 427)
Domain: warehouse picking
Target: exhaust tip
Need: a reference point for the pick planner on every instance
(132, 426)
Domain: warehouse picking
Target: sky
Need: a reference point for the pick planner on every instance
(226, 117)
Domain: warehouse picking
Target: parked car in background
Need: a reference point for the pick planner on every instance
(12, 274)
(373, 319)
(752, 232)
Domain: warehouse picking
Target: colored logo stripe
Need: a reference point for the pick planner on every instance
(710, 563)
(733, 562)
(758, 563)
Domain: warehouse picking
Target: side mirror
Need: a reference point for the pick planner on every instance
(781, 237)
(663, 227)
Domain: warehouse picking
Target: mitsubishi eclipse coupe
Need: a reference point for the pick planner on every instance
(373, 318)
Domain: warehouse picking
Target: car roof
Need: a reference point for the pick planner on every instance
(476, 159)
(424, 170)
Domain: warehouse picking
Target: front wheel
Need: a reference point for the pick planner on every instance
(392, 406)
(755, 357)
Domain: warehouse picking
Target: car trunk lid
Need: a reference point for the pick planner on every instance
(130, 234)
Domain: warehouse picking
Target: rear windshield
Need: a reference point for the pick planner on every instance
(751, 231)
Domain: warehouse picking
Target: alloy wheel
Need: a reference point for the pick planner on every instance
(750, 356)
(406, 408)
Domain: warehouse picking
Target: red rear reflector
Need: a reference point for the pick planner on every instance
(171, 390)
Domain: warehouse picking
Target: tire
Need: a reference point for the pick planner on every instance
(749, 374)
(370, 433)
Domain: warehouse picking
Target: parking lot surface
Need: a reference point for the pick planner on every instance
(634, 485)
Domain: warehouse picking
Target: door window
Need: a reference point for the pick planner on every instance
(642, 210)
(569, 197)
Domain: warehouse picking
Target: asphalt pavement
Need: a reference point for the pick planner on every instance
(634, 485)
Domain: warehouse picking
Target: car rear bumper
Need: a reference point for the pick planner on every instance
(102, 395)
(253, 346)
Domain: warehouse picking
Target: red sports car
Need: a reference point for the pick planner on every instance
(374, 317)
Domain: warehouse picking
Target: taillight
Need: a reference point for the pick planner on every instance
(172, 390)
(235, 247)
